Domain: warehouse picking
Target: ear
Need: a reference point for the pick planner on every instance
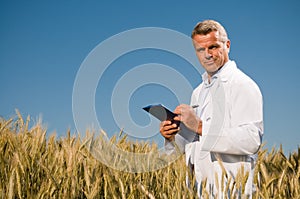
(228, 45)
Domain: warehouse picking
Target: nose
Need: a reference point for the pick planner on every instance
(207, 54)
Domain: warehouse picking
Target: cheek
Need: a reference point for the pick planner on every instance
(200, 57)
(220, 55)
(201, 61)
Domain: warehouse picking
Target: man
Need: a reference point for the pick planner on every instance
(228, 122)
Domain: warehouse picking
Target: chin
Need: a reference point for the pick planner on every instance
(212, 69)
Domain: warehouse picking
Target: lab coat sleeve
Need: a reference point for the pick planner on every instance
(178, 144)
(243, 134)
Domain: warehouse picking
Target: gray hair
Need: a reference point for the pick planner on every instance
(207, 26)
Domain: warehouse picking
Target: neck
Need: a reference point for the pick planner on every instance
(210, 74)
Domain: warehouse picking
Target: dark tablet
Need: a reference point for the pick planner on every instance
(160, 112)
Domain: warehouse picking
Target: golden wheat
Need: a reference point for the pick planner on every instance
(34, 166)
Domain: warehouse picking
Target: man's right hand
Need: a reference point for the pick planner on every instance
(168, 129)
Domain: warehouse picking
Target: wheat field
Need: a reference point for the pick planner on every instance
(33, 165)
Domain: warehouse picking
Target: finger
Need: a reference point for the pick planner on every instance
(165, 129)
(171, 132)
(168, 127)
(177, 118)
(167, 122)
(177, 110)
(164, 123)
(181, 109)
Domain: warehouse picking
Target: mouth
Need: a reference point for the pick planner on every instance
(210, 62)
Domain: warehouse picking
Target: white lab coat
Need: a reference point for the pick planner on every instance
(231, 111)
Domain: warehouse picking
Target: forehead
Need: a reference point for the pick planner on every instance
(206, 40)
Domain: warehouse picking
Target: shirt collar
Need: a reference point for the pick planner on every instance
(223, 73)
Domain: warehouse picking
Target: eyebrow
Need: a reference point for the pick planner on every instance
(213, 45)
(209, 47)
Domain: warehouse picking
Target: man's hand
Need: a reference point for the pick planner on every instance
(188, 117)
(168, 129)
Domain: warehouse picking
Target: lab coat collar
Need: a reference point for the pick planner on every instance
(223, 73)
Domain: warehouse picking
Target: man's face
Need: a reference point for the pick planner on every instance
(211, 51)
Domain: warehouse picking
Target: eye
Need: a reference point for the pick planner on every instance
(213, 47)
(200, 49)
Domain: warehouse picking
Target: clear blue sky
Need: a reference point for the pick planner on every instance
(43, 44)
